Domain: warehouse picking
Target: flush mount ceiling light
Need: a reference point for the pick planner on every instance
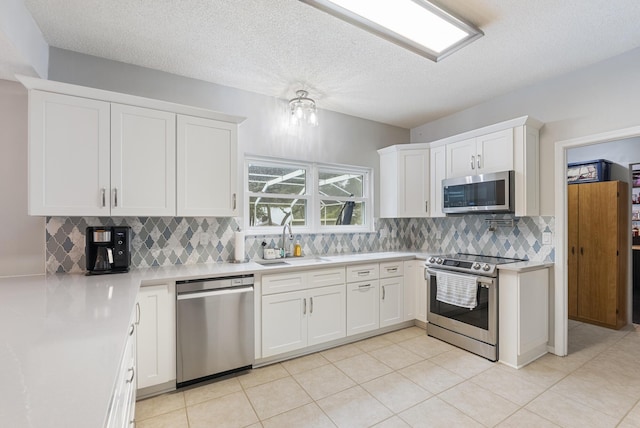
(303, 109)
(417, 25)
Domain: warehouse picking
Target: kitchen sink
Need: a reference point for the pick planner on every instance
(292, 261)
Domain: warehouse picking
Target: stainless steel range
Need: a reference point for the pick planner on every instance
(463, 301)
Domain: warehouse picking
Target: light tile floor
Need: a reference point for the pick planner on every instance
(407, 379)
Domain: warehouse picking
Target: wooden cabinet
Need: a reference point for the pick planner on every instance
(479, 155)
(207, 167)
(143, 162)
(404, 182)
(296, 312)
(69, 155)
(156, 339)
(523, 315)
(438, 171)
(598, 237)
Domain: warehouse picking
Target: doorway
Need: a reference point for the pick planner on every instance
(562, 149)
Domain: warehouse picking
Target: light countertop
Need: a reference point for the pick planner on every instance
(62, 336)
(525, 266)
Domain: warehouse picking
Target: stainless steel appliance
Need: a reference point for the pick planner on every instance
(108, 249)
(214, 327)
(492, 192)
(474, 326)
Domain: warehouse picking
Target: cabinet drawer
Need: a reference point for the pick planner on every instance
(324, 277)
(362, 272)
(280, 283)
(390, 269)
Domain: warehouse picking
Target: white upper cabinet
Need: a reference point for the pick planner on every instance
(438, 173)
(143, 162)
(479, 155)
(207, 168)
(68, 155)
(404, 182)
(101, 153)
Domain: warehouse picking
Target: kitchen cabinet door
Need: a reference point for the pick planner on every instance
(404, 183)
(68, 155)
(480, 155)
(438, 171)
(409, 292)
(421, 295)
(494, 152)
(363, 307)
(391, 301)
(207, 167)
(326, 314)
(461, 158)
(143, 162)
(156, 345)
(284, 322)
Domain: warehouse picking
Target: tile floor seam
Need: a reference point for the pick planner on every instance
(628, 412)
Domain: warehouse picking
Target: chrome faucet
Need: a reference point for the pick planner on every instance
(284, 234)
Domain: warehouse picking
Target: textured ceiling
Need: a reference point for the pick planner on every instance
(274, 47)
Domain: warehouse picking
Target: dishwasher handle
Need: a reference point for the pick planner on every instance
(212, 293)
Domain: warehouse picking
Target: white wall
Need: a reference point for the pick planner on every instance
(338, 139)
(599, 98)
(21, 237)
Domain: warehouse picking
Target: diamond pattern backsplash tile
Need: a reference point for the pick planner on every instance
(163, 241)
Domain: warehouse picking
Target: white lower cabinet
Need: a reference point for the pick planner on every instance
(308, 316)
(284, 322)
(391, 301)
(363, 307)
(156, 345)
(421, 288)
(523, 316)
(123, 401)
(326, 314)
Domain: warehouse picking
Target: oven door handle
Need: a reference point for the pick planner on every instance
(480, 279)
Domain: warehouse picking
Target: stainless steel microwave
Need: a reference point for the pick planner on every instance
(493, 192)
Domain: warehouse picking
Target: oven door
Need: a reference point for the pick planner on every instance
(480, 323)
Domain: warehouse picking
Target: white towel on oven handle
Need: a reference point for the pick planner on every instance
(458, 290)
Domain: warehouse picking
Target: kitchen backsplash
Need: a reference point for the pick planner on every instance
(161, 241)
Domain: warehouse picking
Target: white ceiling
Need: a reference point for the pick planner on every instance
(274, 47)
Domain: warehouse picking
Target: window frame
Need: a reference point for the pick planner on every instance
(311, 196)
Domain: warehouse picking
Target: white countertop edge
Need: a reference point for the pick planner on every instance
(525, 266)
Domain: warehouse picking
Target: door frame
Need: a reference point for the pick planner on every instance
(561, 325)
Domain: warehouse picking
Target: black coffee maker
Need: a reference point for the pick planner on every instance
(108, 249)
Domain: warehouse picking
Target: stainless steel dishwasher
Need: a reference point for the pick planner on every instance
(214, 327)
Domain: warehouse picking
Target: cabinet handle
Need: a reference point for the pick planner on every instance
(478, 158)
(581, 251)
(392, 270)
(364, 273)
(311, 308)
(364, 286)
(104, 200)
(115, 197)
(133, 374)
(383, 293)
(473, 162)
(304, 309)
(137, 313)
(132, 330)
(573, 250)
(426, 206)
(234, 201)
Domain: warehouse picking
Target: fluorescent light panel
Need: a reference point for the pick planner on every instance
(417, 25)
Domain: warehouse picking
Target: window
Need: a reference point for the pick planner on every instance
(277, 194)
(312, 197)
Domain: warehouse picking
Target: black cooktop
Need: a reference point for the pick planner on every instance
(496, 260)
